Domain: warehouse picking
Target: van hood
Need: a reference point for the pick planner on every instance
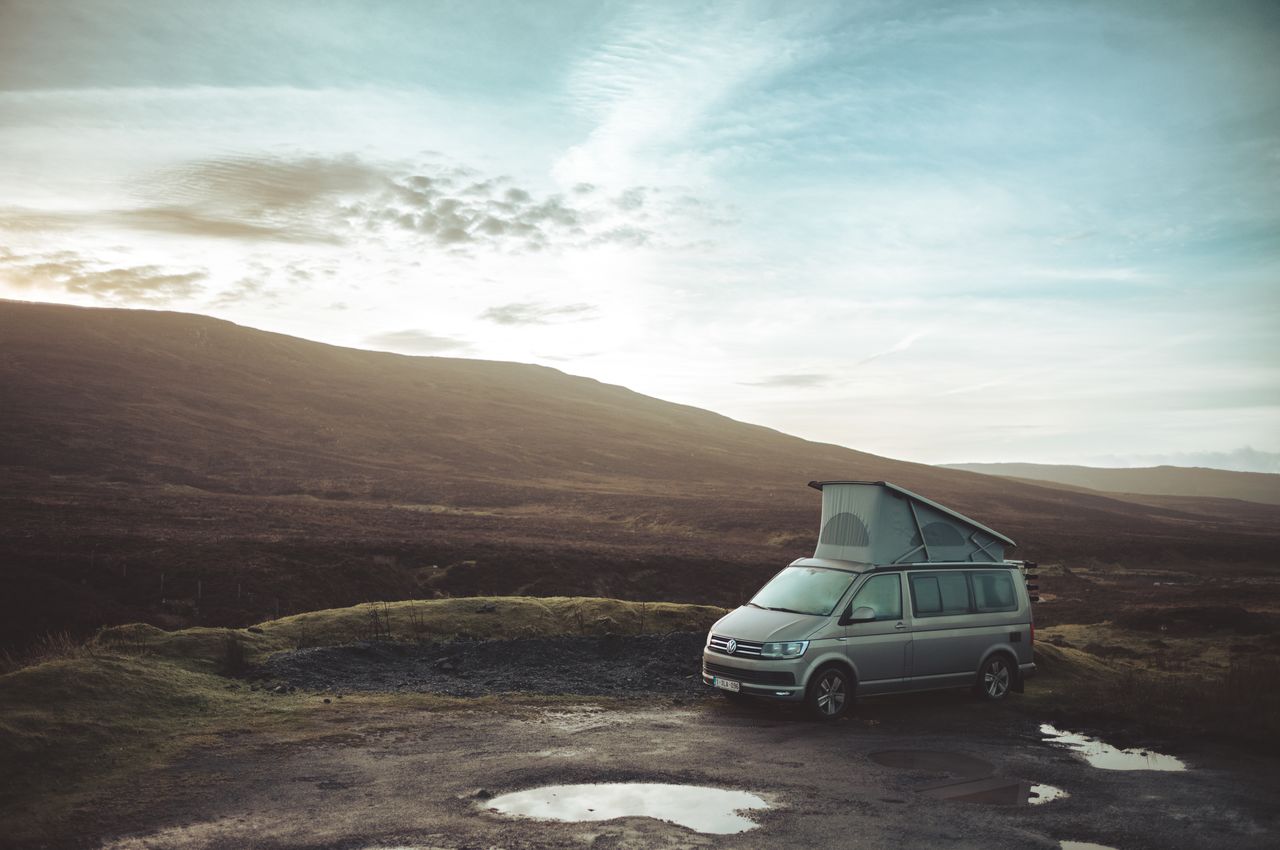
(760, 624)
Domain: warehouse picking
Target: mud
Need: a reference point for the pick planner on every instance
(615, 665)
(362, 773)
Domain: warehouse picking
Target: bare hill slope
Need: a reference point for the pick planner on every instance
(181, 469)
(1154, 481)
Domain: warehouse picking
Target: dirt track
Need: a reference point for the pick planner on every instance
(366, 773)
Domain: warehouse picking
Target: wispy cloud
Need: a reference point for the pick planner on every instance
(796, 380)
(899, 346)
(534, 313)
(649, 87)
(416, 341)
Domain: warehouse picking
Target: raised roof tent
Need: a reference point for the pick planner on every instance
(875, 522)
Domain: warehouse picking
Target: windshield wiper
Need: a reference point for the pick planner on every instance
(754, 605)
(788, 610)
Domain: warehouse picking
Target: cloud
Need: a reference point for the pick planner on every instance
(146, 284)
(246, 289)
(899, 346)
(266, 184)
(416, 342)
(533, 313)
(342, 199)
(648, 90)
(162, 219)
(794, 380)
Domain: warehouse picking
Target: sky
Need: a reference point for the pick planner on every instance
(944, 232)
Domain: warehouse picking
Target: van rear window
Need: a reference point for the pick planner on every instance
(993, 592)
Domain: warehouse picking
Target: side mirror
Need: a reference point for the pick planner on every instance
(862, 614)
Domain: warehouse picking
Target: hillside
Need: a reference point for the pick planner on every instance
(1152, 481)
(179, 469)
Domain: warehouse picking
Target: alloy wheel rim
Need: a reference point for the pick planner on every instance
(831, 694)
(996, 679)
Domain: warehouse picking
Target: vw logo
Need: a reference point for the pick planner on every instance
(731, 647)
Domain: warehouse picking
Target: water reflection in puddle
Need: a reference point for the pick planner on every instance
(996, 791)
(1045, 794)
(934, 761)
(975, 784)
(1082, 845)
(1103, 755)
(711, 810)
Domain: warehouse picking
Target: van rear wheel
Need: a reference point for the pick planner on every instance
(829, 694)
(995, 678)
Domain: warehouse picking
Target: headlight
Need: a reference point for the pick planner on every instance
(790, 649)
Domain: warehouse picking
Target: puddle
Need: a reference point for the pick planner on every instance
(1045, 794)
(710, 810)
(1103, 755)
(976, 783)
(996, 791)
(934, 761)
(1082, 845)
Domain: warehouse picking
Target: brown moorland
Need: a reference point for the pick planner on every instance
(177, 469)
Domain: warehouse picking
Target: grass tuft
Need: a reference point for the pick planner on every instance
(51, 646)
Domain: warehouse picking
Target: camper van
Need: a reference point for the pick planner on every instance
(902, 594)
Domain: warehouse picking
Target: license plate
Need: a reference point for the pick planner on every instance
(726, 684)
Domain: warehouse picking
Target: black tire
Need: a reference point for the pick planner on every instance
(830, 693)
(996, 678)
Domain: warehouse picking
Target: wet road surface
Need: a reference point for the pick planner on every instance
(363, 775)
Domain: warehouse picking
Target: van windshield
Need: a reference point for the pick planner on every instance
(804, 590)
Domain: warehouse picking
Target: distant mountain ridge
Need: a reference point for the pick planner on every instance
(181, 469)
(1259, 487)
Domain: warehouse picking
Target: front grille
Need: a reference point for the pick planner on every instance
(749, 648)
(754, 677)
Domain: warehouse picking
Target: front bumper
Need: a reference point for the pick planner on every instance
(772, 679)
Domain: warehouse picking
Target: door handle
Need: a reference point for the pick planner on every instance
(842, 640)
(900, 626)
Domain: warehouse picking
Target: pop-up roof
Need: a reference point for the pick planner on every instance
(875, 522)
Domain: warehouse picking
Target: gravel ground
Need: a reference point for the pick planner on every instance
(357, 775)
(630, 665)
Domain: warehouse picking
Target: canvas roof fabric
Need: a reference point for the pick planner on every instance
(875, 522)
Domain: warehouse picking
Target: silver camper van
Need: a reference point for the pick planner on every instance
(902, 594)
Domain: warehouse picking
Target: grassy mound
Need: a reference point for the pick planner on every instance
(498, 617)
(96, 714)
(1238, 701)
(136, 693)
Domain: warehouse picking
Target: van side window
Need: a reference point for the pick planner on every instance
(994, 592)
(939, 594)
(884, 594)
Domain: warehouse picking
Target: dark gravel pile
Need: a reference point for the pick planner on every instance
(604, 666)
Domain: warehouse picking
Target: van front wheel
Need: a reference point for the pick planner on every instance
(829, 694)
(995, 678)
